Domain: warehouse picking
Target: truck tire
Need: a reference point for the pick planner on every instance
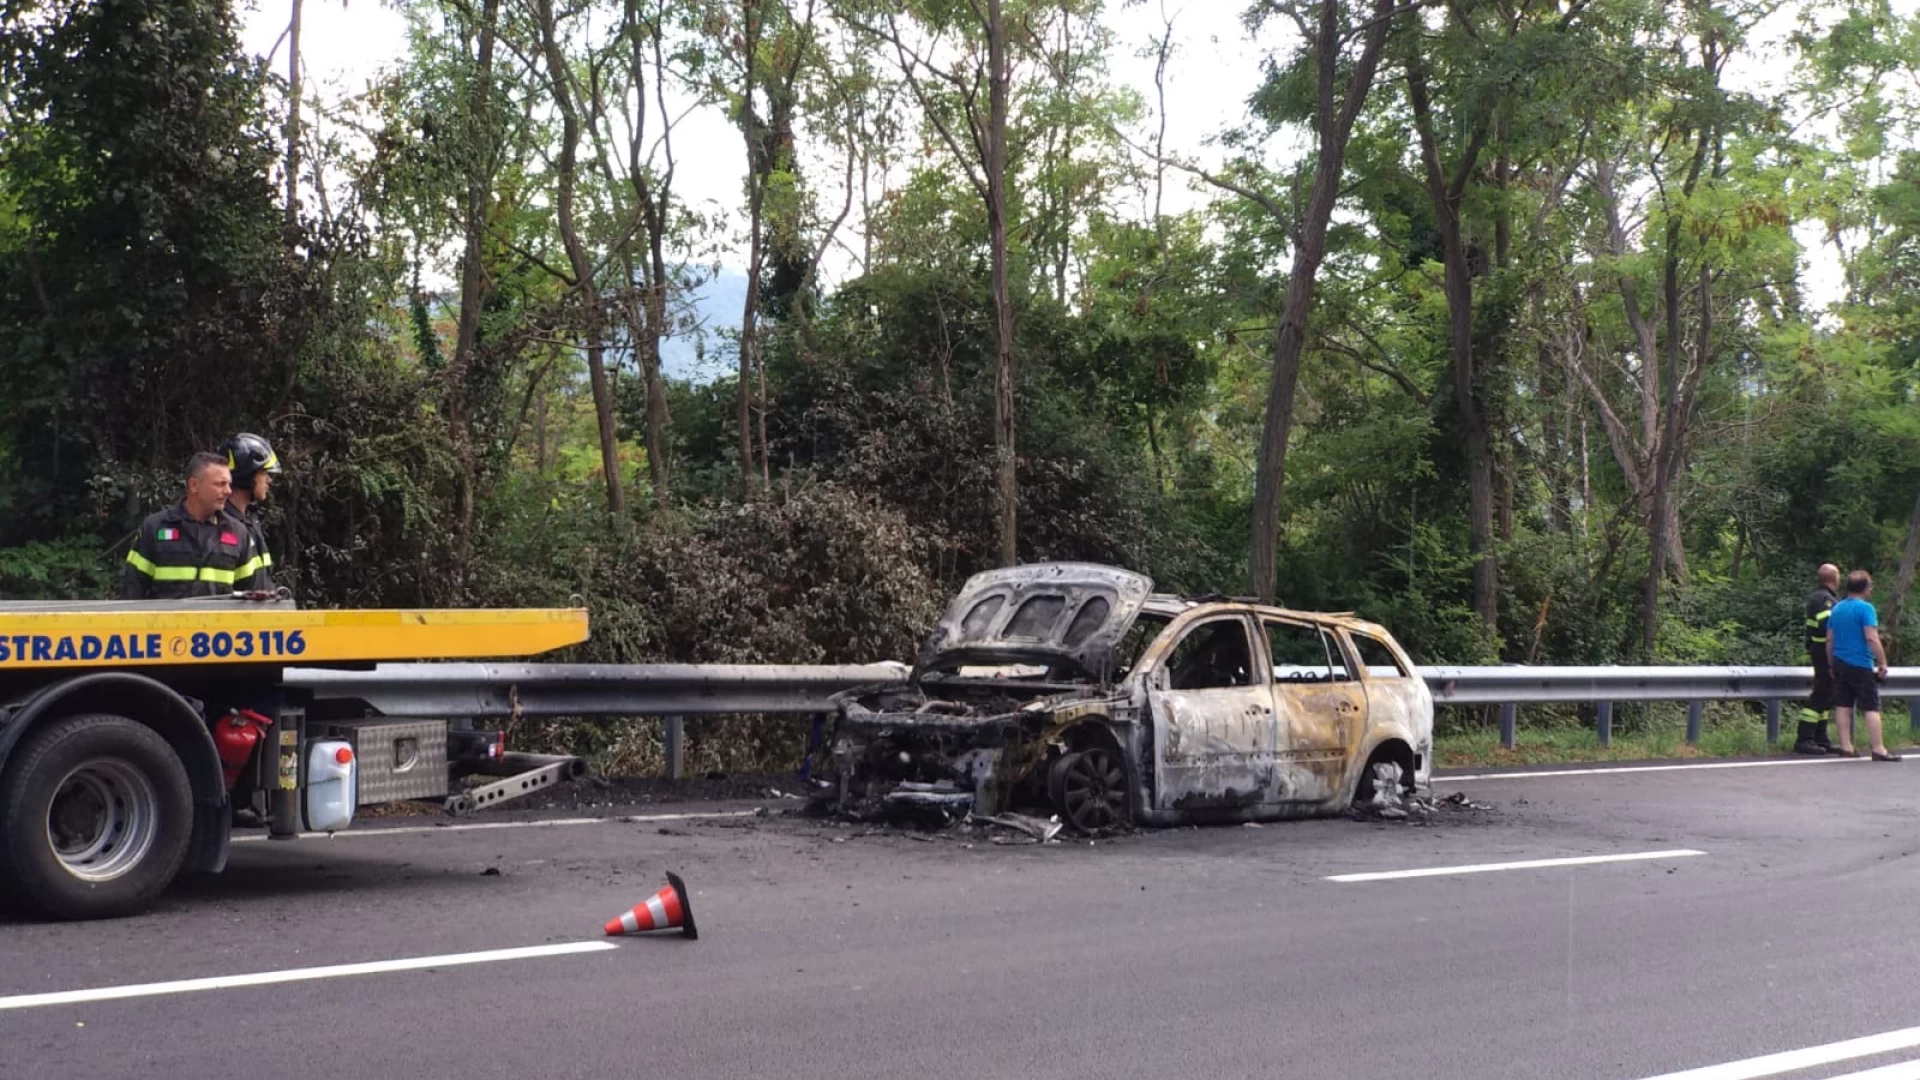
(96, 813)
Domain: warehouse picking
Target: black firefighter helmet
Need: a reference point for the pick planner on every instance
(248, 454)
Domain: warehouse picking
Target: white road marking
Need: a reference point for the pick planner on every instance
(1905, 1070)
(269, 978)
(1815, 1056)
(1530, 864)
(414, 830)
(1629, 770)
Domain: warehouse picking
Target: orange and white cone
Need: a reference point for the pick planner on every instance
(663, 910)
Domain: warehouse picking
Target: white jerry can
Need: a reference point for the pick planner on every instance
(332, 794)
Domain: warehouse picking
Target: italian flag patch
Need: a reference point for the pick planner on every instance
(167, 534)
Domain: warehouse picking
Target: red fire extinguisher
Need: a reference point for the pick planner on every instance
(235, 736)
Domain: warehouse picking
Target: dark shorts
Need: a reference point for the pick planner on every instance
(1821, 700)
(1855, 687)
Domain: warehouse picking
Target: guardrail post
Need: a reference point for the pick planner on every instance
(1773, 720)
(1693, 722)
(1603, 722)
(1507, 720)
(673, 747)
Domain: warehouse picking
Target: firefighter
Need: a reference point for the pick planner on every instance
(196, 547)
(1812, 736)
(254, 466)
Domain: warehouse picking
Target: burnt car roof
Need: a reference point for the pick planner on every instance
(1167, 604)
(1075, 612)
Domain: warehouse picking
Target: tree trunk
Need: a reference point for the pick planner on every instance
(659, 462)
(567, 173)
(1903, 581)
(1458, 278)
(654, 199)
(1553, 434)
(472, 289)
(293, 122)
(756, 251)
(540, 435)
(1063, 252)
(1334, 125)
(1007, 482)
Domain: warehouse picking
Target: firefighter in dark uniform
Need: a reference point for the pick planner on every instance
(1812, 737)
(195, 547)
(254, 466)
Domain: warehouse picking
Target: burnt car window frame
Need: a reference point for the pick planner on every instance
(1401, 670)
(1340, 666)
(1125, 665)
(1163, 667)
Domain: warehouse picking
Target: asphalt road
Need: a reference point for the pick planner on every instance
(1187, 953)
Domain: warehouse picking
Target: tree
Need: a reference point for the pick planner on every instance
(1691, 234)
(772, 45)
(143, 264)
(1340, 42)
(480, 137)
(975, 134)
(563, 84)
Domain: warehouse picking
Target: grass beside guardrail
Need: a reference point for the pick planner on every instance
(1728, 730)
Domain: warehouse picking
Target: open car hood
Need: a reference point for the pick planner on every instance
(1042, 613)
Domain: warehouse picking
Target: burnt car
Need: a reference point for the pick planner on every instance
(1075, 689)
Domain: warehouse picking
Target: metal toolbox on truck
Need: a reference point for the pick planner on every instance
(399, 760)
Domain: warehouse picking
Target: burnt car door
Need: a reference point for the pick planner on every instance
(1212, 710)
(1322, 708)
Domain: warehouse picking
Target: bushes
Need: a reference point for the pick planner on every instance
(70, 569)
(821, 576)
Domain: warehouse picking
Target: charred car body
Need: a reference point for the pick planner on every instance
(1075, 689)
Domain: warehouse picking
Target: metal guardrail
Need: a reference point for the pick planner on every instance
(1512, 686)
(1534, 685)
(440, 691)
(672, 691)
(477, 691)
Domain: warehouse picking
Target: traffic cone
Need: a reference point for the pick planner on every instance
(664, 910)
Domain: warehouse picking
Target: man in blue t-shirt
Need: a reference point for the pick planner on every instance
(1859, 663)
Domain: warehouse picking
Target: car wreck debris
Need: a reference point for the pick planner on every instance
(1074, 691)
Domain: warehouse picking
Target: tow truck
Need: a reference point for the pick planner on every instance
(136, 735)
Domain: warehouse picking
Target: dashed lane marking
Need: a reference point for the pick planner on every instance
(1631, 770)
(1813, 1057)
(1530, 864)
(270, 978)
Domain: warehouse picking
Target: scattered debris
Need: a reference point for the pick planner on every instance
(1043, 831)
(1387, 798)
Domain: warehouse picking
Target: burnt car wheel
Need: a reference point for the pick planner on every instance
(1089, 789)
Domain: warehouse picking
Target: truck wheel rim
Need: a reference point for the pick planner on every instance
(102, 820)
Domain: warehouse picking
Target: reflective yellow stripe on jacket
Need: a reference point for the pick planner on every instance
(189, 573)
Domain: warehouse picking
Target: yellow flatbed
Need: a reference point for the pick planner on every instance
(42, 637)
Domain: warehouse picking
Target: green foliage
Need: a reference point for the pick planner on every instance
(148, 306)
(153, 298)
(56, 570)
